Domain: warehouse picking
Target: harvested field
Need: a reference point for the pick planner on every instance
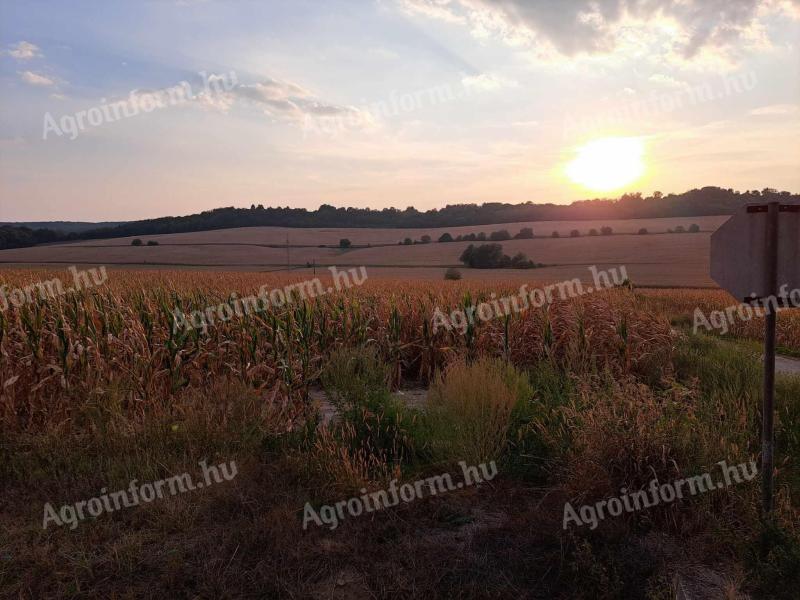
(663, 259)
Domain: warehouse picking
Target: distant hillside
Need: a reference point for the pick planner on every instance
(64, 226)
(698, 202)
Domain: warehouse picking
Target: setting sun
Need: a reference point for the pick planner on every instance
(607, 164)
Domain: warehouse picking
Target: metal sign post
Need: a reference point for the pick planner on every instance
(755, 256)
(770, 324)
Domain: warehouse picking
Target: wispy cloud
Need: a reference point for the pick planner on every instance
(36, 79)
(775, 110)
(487, 83)
(24, 51)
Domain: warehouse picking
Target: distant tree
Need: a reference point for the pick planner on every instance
(526, 233)
(500, 236)
(136, 242)
(694, 228)
(481, 237)
(593, 232)
(470, 237)
(452, 274)
(680, 229)
(643, 231)
(343, 243)
(459, 238)
(606, 230)
(152, 243)
(555, 234)
(425, 239)
(408, 241)
(445, 237)
(574, 233)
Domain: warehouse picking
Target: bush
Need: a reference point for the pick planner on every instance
(445, 237)
(136, 242)
(452, 274)
(526, 233)
(152, 243)
(469, 411)
(500, 236)
(643, 231)
(375, 427)
(344, 243)
(555, 234)
(408, 242)
(694, 228)
(574, 233)
(425, 239)
(606, 230)
(593, 232)
(481, 237)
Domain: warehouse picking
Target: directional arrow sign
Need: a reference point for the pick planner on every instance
(739, 247)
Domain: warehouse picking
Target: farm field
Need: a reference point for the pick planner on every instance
(655, 259)
(106, 385)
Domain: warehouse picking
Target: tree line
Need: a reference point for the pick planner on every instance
(696, 202)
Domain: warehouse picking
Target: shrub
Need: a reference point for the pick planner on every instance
(606, 230)
(152, 243)
(694, 228)
(469, 410)
(452, 274)
(643, 231)
(481, 237)
(555, 234)
(136, 242)
(374, 425)
(574, 233)
(500, 236)
(445, 237)
(408, 242)
(526, 233)
(344, 243)
(425, 239)
(593, 232)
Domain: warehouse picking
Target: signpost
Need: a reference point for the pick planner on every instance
(755, 256)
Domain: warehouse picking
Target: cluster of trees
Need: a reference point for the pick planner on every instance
(526, 233)
(490, 256)
(704, 201)
(138, 242)
(693, 228)
(22, 237)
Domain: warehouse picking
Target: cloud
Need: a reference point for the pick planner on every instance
(24, 51)
(487, 83)
(287, 101)
(36, 79)
(775, 109)
(573, 27)
(667, 81)
(436, 9)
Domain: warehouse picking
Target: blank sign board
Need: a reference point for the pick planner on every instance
(738, 250)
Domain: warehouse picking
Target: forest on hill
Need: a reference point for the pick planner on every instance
(696, 202)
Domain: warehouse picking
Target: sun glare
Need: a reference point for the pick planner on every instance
(607, 164)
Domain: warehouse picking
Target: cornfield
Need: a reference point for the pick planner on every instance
(57, 353)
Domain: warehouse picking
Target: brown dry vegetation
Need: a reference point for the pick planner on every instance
(585, 396)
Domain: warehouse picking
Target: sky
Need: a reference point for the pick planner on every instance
(128, 110)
